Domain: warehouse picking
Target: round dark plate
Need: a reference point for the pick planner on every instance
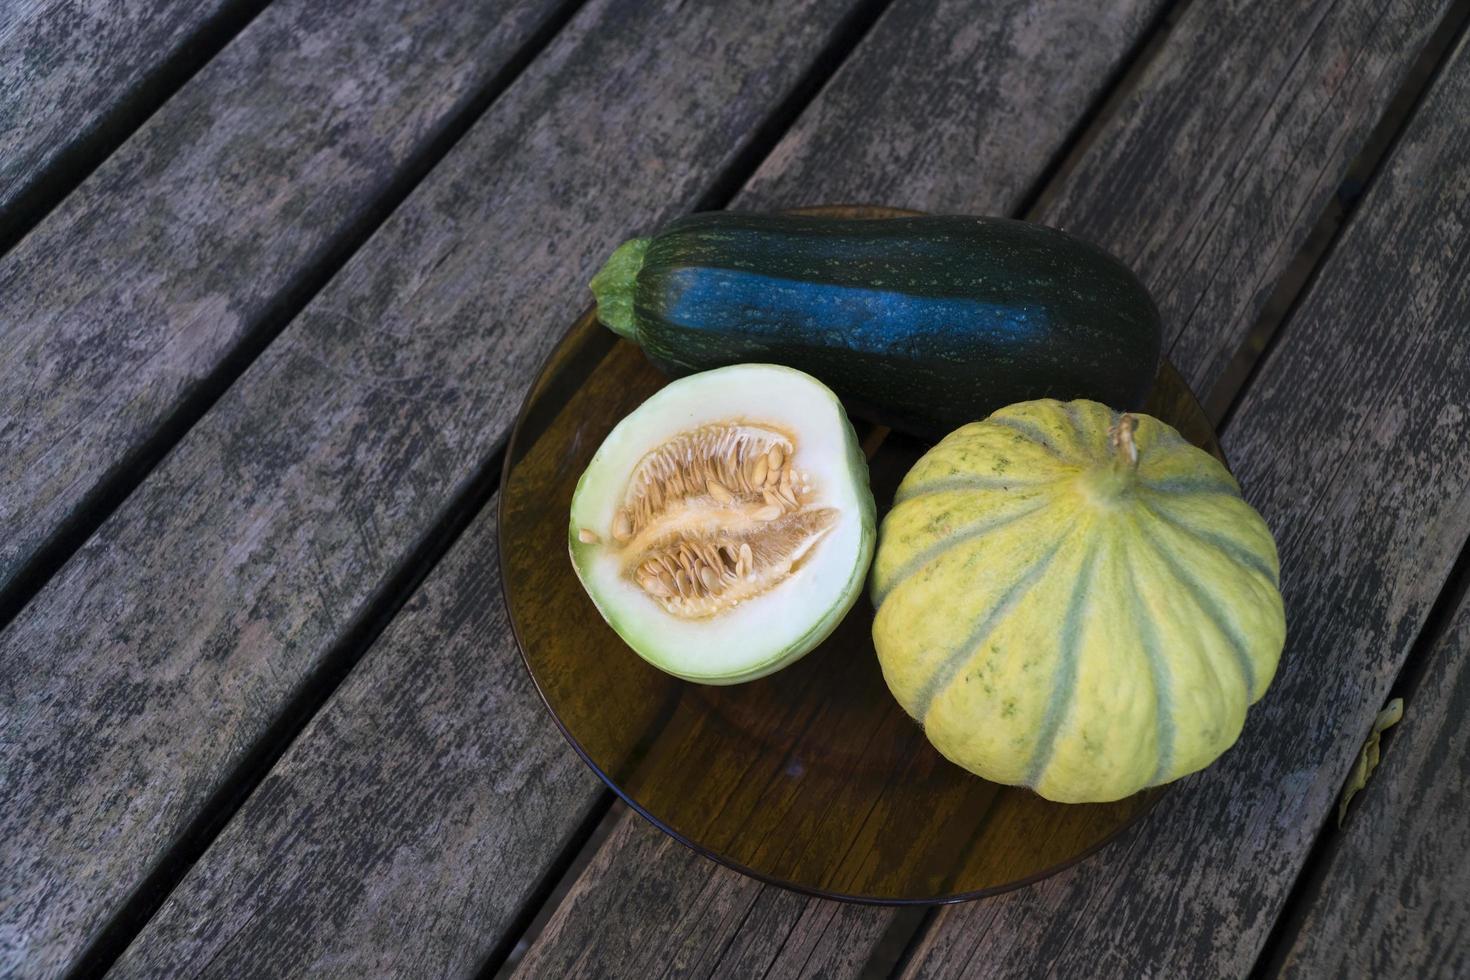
(813, 778)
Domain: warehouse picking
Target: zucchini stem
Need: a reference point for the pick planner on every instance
(614, 286)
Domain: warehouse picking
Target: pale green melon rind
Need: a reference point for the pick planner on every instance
(641, 633)
(857, 466)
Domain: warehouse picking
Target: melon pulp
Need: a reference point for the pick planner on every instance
(725, 527)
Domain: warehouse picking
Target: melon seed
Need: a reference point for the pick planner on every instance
(697, 560)
(786, 494)
(655, 586)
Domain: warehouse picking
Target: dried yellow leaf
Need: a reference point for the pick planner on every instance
(1368, 757)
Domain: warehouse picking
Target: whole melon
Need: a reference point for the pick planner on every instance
(1076, 601)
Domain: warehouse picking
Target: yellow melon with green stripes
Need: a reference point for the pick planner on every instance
(1076, 600)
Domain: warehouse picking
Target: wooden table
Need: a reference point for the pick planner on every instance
(275, 276)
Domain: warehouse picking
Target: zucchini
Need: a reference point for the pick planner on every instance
(922, 323)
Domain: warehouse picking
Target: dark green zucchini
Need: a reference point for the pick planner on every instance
(921, 323)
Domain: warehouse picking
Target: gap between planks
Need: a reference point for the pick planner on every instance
(1227, 391)
(473, 497)
(85, 153)
(1124, 80)
(378, 612)
(1307, 886)
(850, 33)
(555, 883)
(502, 963)
(96, 507)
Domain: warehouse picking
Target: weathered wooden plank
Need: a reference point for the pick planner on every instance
(67, 68)
(1351, 444)
(1234, 110)
(336, 864)
(215, 217)
(944, 111)
(1234, 141)
(1394, 900)
(700, 905)
(136, 681)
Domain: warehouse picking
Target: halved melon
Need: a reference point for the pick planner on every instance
(725, 527)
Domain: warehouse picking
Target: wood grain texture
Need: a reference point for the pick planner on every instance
(67, 66)
(1394, 899)
(145, 670)
(944, 111)
(1248, 107)
(209, 222)
(1213, 173)
(700, 906)
(408, 824)
(1351, 444)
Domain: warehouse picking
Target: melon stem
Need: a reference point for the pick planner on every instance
(1116, 479)
(614, 286)
(1125, 449)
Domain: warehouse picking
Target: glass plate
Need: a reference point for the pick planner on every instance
(813, 778)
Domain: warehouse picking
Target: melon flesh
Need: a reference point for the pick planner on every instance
(725, 527)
